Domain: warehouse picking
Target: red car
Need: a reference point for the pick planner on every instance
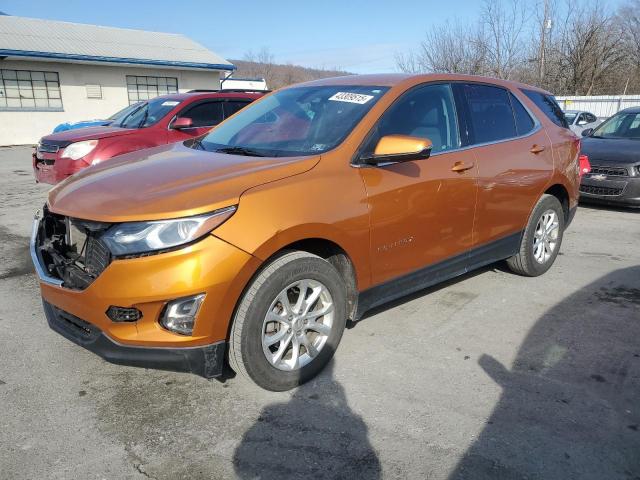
(164, 119)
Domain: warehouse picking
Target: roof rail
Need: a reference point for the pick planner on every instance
(229, 90)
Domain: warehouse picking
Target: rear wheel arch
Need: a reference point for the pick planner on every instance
(562, 194)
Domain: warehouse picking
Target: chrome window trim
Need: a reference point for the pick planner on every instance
(536, 129)
(537, 126)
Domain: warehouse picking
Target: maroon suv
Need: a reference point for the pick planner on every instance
(164, 119)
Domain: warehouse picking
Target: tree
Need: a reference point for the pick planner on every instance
(262, 63)
(448, 48)
(502, 26)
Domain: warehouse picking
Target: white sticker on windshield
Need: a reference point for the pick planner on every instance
(351, 97)
(170, 103)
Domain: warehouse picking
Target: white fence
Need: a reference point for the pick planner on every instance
(602, 106)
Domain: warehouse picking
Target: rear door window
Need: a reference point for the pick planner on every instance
(548, 105)
(232, 106)
(490, 115)
(524, 122)
(205, 114)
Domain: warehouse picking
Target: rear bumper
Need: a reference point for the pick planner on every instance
(206, 360)
(622, 191)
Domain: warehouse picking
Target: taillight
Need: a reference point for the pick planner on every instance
(584, 166)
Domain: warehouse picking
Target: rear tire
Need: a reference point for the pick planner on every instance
(541, 240)
(280, 336)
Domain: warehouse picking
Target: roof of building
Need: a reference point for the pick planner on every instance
(37, 38)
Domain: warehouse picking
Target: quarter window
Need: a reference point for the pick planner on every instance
(524, 122)
(29, 90)
(491, 116)
(144, 88)
(549, 107)
(426, 112)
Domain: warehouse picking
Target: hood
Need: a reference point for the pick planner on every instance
(611, 151)
(88, 133)
(168, 181)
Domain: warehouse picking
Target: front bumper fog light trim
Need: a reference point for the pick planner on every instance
(123, 314)
(179, 315)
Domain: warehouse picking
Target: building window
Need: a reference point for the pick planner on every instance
(144, 88)
(29, 90)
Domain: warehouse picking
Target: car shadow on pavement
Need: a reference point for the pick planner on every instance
(313, 435)
(570, 402)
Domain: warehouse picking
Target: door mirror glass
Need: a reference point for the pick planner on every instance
(400, 148)
(587, 132)
(182, 122)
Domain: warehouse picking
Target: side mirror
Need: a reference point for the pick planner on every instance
(181, 123)
(587, 132)
(400, 148)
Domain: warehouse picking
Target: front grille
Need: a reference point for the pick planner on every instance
(70, 326)
(604, 191)
(97, 256)
(48, 148)
(71, 249)
(609, 171)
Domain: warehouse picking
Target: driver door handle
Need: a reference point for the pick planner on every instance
(461, 167)
(537, 149)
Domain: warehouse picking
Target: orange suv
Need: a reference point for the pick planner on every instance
(254, 243)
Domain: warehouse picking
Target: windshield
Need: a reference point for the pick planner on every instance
(570, 116)
(120, 114)
(295, 121)
(621, 125)
(149, 113)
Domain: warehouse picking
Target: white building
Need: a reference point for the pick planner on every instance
(53, 72)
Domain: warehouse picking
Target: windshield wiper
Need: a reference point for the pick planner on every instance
(240, 151)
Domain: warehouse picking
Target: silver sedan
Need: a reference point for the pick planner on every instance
(580, 120)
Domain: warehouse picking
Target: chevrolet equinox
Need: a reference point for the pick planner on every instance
(255, 243)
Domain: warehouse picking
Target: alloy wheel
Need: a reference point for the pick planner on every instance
(297, 324)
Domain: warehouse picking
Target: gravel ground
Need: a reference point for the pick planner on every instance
(490, 376)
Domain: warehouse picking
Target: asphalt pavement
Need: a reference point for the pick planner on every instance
(490, 376)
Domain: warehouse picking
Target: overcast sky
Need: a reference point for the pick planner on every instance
(355, 35)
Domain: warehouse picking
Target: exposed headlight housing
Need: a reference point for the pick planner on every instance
(132, 238)
(77, 150)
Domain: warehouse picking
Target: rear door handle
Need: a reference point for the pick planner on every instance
(461, 167)
(537, 149)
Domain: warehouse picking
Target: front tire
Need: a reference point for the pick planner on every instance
(541, 240)
(289, 321)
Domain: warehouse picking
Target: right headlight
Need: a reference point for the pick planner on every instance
(77, 150)
(132, 238)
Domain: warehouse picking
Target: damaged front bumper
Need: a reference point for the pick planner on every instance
(80, 312)
(206, 361)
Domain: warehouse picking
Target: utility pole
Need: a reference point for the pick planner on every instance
(546, 25)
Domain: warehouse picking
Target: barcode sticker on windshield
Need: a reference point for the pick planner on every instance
(170, 103)
(351, 97)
